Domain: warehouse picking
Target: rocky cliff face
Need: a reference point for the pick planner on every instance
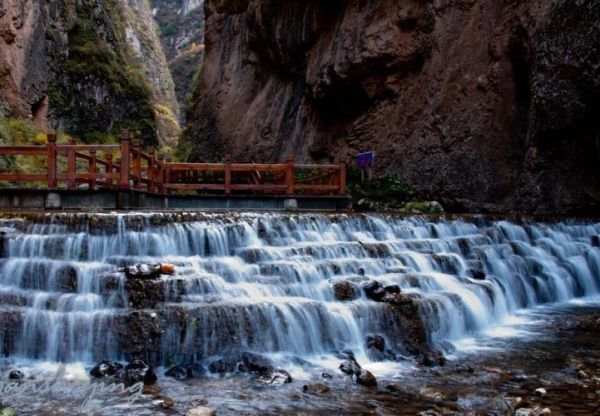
(181, 26)
(488, 105)
(86, 67)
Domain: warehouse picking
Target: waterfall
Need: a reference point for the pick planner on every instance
(264, 282)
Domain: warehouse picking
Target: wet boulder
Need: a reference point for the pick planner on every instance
(138, 371)
(276, 376)
(350, 367)
(376, 342)
(142, 271)
(255, 363)
(374, 290)
(144, 293)
(185, 371)
(327, 376)
(106, 368)
(392, 289)
(595, 240)
(477, 274)
(315, 388)
(16, 375)
(148, 270)
(366, 378)
(228, 363)
(200, 411)
(429, 357)
(345, 290)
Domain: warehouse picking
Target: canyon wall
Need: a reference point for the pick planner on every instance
(487, 105)
(88, 67)
(181, 26)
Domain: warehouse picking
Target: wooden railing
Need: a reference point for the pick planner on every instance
(128, 167)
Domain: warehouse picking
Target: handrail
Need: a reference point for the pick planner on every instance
(127, 166)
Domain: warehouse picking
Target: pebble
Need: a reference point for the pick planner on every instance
(165, 402)
(201, 411)
(541, 391)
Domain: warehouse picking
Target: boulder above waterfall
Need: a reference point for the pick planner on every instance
(345, 290)
(148, 270)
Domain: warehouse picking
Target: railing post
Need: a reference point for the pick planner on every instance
(342, 183)
(168, 178)
(160, 174)
(109, 169)
(289, 175)
(150, 170)
(227, 175)
(137, 164)
(71, 164)
(52, 182)
(92, 169)
(124, 174)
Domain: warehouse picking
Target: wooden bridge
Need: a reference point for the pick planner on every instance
(128, 167)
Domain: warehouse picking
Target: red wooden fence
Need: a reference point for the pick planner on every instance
(127, 166)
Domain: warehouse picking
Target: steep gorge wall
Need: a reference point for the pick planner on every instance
(88, 67)
(181, 25)
(488, 105)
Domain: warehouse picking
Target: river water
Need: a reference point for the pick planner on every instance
(265, 283)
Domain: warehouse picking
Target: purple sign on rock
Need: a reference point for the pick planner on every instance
(365, 160)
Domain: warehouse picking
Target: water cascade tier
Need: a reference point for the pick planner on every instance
(298, 286)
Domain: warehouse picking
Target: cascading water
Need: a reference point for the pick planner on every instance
(265, 282)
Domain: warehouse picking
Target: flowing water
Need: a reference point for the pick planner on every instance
(264, 282)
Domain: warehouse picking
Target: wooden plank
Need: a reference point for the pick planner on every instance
(23, 177)
(195, 186)
(24, 150)
(107, 148)
(252, 187)
(87, 176)
(195, 166)
(319, 167)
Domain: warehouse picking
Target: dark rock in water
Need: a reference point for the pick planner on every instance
(226, 364)
(374, 290)
(106, 369)
(144, 293)
(346, 355)
(16, 375)
(392, 289)
(301, 362)
(326, 376)
(255, 363)
(183, 372)
(165, 402)
(345, 291)
(350, 367)
(178, 372)
(431, 358)
(315, 388)
(376, 342)
(477, 274)
(138, 371)
(366, 378)
(583, 323)
(595, 240)
(142, 271)
(360, 271)
(275, 377)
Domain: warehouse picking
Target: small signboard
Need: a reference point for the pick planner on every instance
(365, 160)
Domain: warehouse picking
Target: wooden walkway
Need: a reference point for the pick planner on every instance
(128, 167)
